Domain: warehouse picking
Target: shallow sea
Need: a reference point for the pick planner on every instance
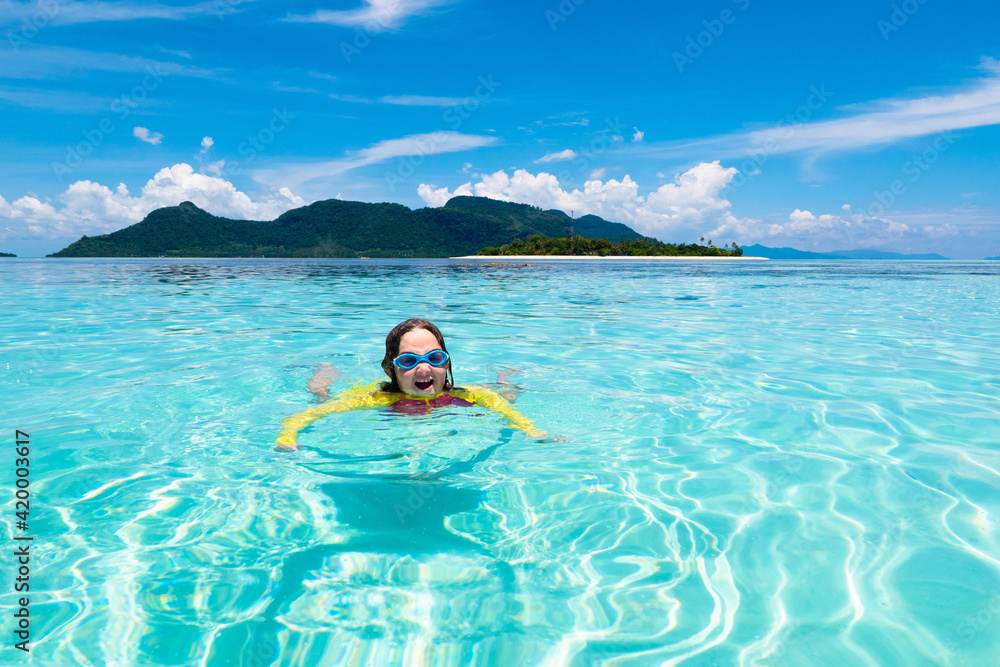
(757, 463)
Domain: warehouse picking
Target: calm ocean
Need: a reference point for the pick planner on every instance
(757, 463)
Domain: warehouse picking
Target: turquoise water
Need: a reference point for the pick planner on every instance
(758, 463)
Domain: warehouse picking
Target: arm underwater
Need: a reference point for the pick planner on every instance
(361, 397)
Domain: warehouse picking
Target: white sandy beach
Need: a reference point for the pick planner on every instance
(593, 257)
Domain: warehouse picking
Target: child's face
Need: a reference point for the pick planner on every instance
(423, 379)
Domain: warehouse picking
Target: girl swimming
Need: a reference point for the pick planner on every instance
(420, 378)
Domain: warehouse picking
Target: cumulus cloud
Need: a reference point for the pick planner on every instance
(90, 208)
(440, 196)
(372, 16)
(689, 205)
(940, 231)
(568, 154)
(206, 143)
(807, 231)
(852, 230)
(143, 134)
(215, 167)
(639, 135)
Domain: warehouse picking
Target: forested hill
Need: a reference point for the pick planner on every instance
(335, 228)
(555, 222)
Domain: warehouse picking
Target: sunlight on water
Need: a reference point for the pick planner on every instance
(760, 464)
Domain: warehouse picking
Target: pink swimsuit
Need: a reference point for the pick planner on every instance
(420, 406)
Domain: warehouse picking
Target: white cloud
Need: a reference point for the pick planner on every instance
(353, 99)
(638, 136)
(55, 100)
(678, 210)
(425, 100)
(977, 104)
(91, 208)
(439, 197)
(689, 207)
(215, 167)
(431, 143)
(598, 174)
(42, 62)
(568, 119)
(211, 167)
(373, 15)
(852, 230)
(68, 12)
(825, 232)
(940, 231)
(399, 100)
(143, 134)
(179, 54)
(323, 75)
(567, 154)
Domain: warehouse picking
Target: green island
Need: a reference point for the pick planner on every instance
(641, 247)
(464, 226)
(7, 254)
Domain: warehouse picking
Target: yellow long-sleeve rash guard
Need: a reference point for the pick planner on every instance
(361, 397)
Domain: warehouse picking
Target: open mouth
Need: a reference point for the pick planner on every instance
(423, 385)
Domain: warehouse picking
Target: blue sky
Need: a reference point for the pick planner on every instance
(820, 126)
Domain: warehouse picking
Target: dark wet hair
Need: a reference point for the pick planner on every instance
(392, 351)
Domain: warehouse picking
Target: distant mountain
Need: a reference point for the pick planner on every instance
(6, 254)
(781, 253)
(335, 228)
(555, 222)
(991, 257)
(881, 254)
(792, 253)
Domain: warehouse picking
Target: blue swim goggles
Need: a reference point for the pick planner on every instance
(409, 360)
